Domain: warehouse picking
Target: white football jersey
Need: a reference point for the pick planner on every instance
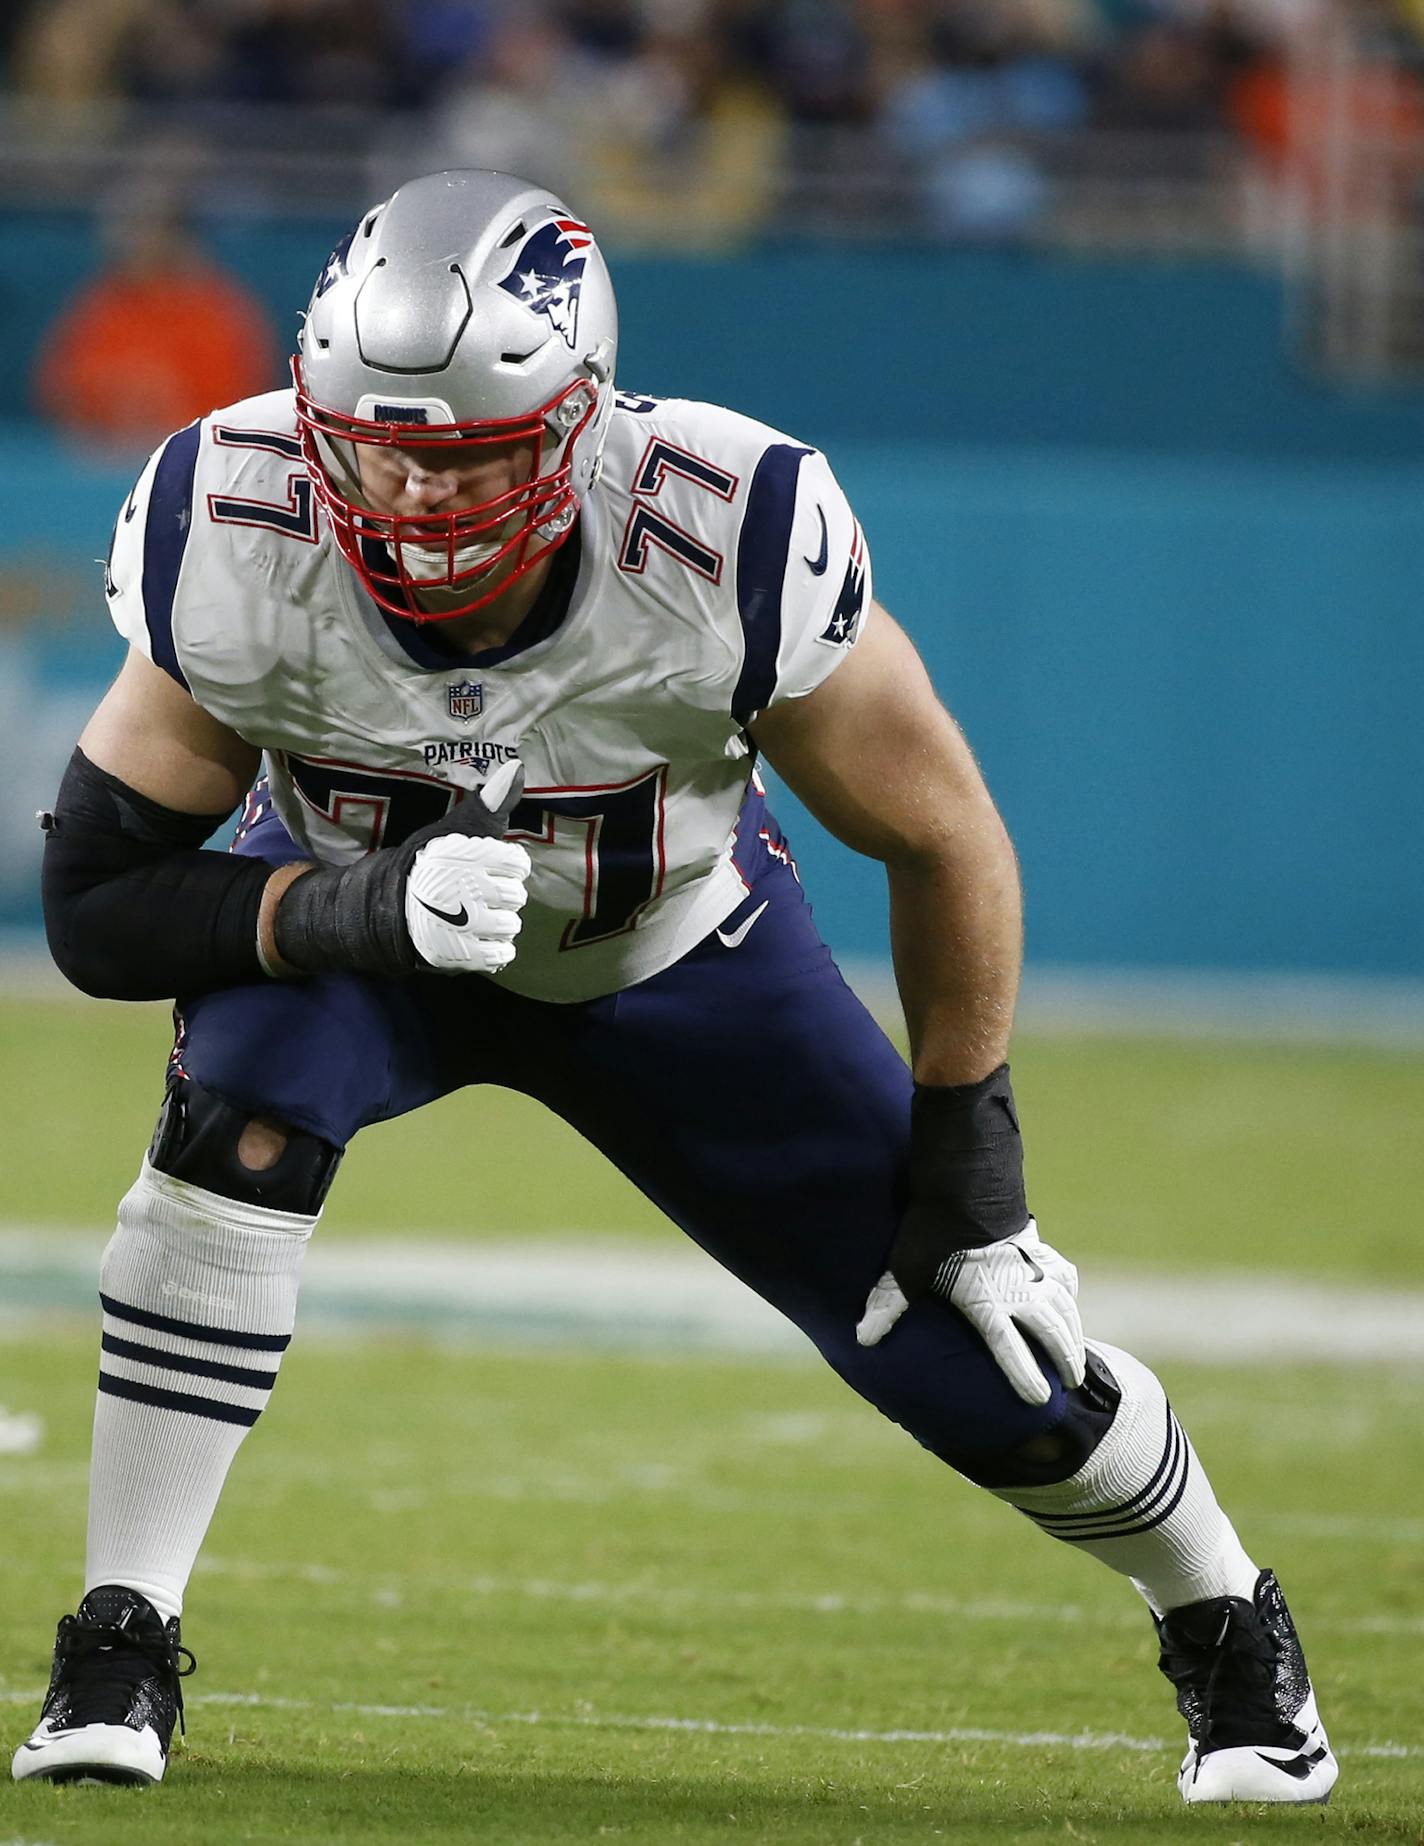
(720, 570)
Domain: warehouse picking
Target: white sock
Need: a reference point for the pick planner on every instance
(200, 1298)
(1142, 1502)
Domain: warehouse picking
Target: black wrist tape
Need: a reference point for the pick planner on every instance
(350, 916)
(966, 1160)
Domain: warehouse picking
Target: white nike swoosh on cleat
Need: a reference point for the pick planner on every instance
(734, 938)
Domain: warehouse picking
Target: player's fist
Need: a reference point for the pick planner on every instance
(466, 886)
(463, 897)
(370, 916)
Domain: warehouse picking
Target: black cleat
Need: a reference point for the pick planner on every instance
(114, 1694)
(1242, 1686)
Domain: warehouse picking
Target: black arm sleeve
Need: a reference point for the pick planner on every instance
(132, 910)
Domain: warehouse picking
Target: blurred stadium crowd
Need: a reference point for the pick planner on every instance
(678, 118)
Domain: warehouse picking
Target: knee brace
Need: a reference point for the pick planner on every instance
(196, 1140)
(1061, 1451)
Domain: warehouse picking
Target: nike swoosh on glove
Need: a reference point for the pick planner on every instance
(463, 897)
(1006, 1289)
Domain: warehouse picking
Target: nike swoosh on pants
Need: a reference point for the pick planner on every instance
(734, 938)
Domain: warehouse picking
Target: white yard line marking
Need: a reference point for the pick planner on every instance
(603, 1292)
(543, 1589)
(389, 1590)
(717, 1727)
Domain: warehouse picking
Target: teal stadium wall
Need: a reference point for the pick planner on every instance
(1169, 584)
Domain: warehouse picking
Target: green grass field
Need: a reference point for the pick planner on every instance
(544, 1567)
(456, 1594)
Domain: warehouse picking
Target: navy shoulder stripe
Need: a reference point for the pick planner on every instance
(165, 539)
(761, 573)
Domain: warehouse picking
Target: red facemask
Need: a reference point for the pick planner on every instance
(523, 524)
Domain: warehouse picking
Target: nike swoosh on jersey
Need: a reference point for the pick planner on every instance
(455, 918)
(818, 563)
(130, 509)
(734, 938)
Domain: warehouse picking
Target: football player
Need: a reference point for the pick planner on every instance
(509, 644)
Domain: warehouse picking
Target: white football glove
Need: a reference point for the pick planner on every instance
(463, 897)
(1019, 1283)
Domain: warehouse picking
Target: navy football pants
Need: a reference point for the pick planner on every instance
(746, 1091)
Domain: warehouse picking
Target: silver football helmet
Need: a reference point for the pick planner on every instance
(470, 308)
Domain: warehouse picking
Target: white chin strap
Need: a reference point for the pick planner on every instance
(428, 565)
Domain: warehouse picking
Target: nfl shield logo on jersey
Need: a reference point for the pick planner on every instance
(466, 700)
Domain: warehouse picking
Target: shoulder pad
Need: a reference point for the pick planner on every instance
(230, 478)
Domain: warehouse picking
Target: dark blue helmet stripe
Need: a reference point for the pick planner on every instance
(165, 539)
(761, 573)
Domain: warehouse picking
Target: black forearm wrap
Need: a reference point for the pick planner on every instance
(132, 910)
(966, 1160)
(350, 916)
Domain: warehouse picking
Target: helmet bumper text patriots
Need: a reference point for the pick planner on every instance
(547, 276)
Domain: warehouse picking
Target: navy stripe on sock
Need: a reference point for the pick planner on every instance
(1170, 1447)
(1162, 1482)
(1110, 1522)
(1130, 1531)
(177, 1400)
(1165, 1512)
(180, 1362)
(195, 1330)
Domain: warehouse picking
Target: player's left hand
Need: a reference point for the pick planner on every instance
(967, 1239)
(1017, 1286)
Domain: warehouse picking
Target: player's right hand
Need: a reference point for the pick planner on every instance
(447, 898)
(463, 897)
(466, 886)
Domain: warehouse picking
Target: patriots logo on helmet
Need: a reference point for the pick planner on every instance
(547, 276)
(335, 266)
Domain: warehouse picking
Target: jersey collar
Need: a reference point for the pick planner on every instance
(424, 644)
